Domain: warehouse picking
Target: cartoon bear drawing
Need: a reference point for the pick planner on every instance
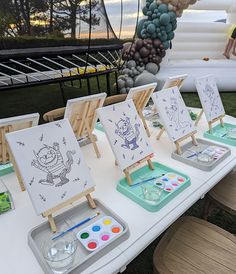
(49, 159)
(128, 133)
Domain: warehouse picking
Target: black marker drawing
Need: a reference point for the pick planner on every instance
(58, 125)
(212, 96)
(41, 138)
(31, 181)
(63, 195)
(50, 160)
(130, 135)
(42, 198)
(173, 112)
(76, 180)
(20, 143)
(64, 141)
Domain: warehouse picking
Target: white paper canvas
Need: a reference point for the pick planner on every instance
(173, 113)
(51, 163)
(209, 97)
(125, 133)
(173, 81)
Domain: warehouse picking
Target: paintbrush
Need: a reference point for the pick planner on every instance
(75, 226)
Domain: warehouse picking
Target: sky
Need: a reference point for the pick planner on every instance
(130, 7)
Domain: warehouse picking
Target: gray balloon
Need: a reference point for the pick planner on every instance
(121, 83)
(123, 90)
(144, 79)
(152, 68)
(131, 64)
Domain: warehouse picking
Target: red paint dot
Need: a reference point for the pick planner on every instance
(92, 245)
(168, 189)
(181, 180)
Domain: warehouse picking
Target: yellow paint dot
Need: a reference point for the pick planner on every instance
(107, 222)
(171, 176)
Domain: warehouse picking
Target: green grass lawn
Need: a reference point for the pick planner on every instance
(45, 98)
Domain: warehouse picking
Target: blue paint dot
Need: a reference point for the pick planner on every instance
(96, 228)
(165, 179)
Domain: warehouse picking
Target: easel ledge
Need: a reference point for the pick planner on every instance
(48, 214)
(215, 120)
(127, 170)
(177, 142)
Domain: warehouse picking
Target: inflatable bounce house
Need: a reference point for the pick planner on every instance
(166, 47)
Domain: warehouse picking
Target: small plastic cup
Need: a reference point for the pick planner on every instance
(60, 253)
(151, 193)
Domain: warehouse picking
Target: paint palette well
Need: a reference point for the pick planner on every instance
(99, 233)
(170, 182)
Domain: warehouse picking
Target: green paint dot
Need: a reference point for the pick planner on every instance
(84, 235)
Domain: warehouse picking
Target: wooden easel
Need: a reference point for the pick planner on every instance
(140, 97)
(199, 116)
(215, 120)
(83, 119)
(9, 125)
(128, 169)
(177, 142)
(49, 213)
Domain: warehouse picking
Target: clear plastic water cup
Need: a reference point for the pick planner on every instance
(60, 253)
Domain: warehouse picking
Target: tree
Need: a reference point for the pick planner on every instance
(71, 11)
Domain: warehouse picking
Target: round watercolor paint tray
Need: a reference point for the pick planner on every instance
(104, 225)
(152, 195)
(226, 134)
(205, 156)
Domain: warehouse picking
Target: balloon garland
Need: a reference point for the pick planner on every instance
(154, 34)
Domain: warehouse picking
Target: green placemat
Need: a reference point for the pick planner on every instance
(165, 185)
(226, 134)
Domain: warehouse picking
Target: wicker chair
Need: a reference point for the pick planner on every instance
(194, 246)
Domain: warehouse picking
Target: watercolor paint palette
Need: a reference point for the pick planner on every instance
(226, 134)
(6, 169)
(99, 233)
(169, 182)
(152, 194)
(205, 156)
(84, 258)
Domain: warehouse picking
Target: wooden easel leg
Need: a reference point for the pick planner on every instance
(210, 127)
(221, 122)
(92, 139)
(90, 201)
(128, 177)
(52, 223)
(144, 123)
(199, 117)
(19, 178)
(160, 133)
(150, 164)
(178, 148)
(194, 141)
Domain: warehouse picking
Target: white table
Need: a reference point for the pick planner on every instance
(15, 254)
